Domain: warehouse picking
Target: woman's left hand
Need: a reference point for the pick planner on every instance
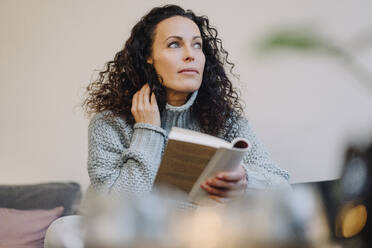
(226, 185)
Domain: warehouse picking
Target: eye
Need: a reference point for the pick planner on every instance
(173, 44)
(198, 45)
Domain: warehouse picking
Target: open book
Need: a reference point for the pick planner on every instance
(191, 157)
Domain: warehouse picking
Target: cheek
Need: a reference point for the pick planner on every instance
(165, 69)
(165, 65)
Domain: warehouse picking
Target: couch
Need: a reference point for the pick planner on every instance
(26, 211)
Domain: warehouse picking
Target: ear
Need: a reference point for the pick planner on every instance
(149, 60)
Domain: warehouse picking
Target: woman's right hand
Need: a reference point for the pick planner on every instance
(145, 108)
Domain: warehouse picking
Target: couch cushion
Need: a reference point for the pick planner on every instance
(41, 196)
(25, 228)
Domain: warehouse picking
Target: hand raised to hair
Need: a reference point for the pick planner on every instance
(145, 108)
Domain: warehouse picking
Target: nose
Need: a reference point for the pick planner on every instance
(188, 54)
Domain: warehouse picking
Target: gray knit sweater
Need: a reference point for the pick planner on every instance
(125, 158)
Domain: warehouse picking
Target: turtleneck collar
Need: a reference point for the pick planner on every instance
(179, 116)
(183, 107)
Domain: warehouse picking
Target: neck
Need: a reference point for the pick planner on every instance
(176, 98)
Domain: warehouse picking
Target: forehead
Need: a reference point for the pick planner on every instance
(176, 26)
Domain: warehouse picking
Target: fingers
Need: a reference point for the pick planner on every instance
(232, 176)
(140, 103)
(149, 101)
(145, 94)
(153, 101)
(141, 99)
(227, 185)
(134, 103)
(214, 191)
(224, 192)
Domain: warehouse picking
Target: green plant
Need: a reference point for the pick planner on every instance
(308, 40)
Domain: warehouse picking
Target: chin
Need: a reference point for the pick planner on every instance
(192, 89)
(184, 85)
(190, 86)
(188, 89)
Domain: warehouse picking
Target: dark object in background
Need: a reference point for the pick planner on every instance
(41, 196)
(349, 200)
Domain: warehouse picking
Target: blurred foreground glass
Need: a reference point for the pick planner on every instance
(261, 219)
(349, 200)
(127, 221)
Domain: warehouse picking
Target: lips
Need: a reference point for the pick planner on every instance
(189, 70)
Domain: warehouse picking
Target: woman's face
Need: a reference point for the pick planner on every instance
(177, 54)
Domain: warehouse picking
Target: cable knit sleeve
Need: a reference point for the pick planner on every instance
(262, 172)
(122, 159)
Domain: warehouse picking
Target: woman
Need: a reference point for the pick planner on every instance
(169, 73)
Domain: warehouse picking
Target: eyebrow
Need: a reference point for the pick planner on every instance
(180, 38)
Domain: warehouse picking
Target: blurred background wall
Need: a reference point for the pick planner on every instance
(305, 107)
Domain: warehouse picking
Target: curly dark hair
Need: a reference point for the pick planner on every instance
(217, 105)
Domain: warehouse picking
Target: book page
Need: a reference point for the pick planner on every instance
(182, 164)
(191, 136)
